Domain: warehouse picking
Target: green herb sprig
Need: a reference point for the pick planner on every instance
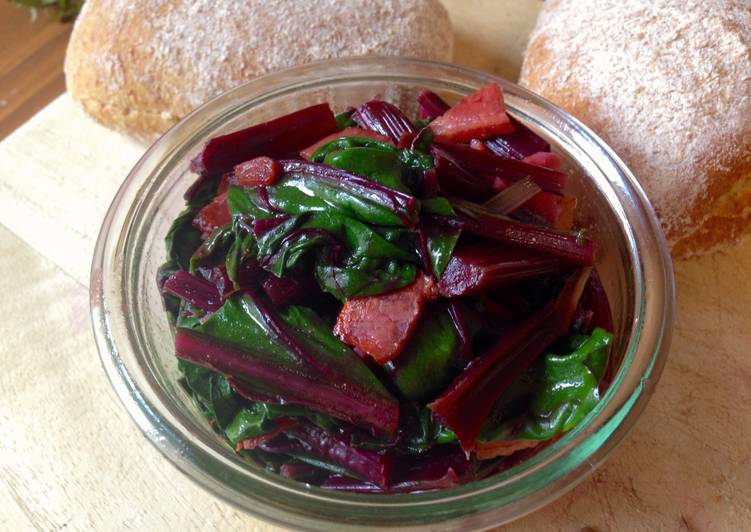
(67, 9)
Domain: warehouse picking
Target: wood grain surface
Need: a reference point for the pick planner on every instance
(31, 63)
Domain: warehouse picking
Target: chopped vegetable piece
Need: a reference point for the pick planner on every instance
(520, 143)
(465, 405)
(380, 326)
(257, 171)
(357, 132)
(513, 197)
(431, 105)
(344, 119)
(488, 450)
(556, 210)
(262, 226)
(217, 276)
(595, 299)
(463, 332)
(489, 164)
(368, 465)
(480, 115)
(562, 390)
(275, 138)
(476, 268)
(431, 357)
(381, 166)
(237, 340)
(198, 292)
(354, 194)
(437, 240)
(283, 291)
(570, 247)
(440, 469)
(282, 424)
(456, 181)
(384, 118)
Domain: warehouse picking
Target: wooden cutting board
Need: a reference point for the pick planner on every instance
(71, 458)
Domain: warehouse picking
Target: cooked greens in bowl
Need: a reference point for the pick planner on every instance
(371, 303)
(136, 340)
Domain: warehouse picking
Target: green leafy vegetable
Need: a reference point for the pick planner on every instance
(430, 359)
(213, 392)
(182, 238)
(421, 432)
(351, 258)
(274, 353)
(344, 120)
(67, 9)
(382, 166)
(412, 159)
(554, 395)
(344, 283)
(214, 248)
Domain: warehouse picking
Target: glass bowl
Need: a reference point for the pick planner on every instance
(136, 343)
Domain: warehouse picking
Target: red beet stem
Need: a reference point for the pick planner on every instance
(454, 180)
(480, 267)
(198, 292)
(261, 226)
(278, 328)
(217, 275)
(290, 386)
(282, 424)
(443, 467)
(596, 299)
(431, 105)
(369, 465)
(490, 164)
(275, 138)
(570, 247)
(465, 405)
(283, 291)
(521, 143)
(384, 118)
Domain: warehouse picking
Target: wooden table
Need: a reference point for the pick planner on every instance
(31, 63)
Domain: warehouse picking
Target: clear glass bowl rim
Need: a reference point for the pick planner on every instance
(516, 492)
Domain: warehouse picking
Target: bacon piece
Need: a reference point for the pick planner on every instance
(480, 115)
(257, 171)
(381, 325)
(346, 132)
(213, 215)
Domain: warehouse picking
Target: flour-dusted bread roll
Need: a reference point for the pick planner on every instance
(140, 66)
(667, 83)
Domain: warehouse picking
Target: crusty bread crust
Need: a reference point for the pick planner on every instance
(667, 84)
(140, 67)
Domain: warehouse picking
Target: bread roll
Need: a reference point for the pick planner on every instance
(667, 83)
(140, 66)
